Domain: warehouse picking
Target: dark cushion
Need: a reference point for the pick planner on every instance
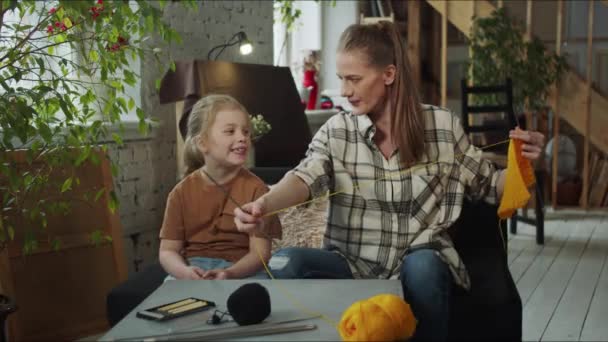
(492, 309)
(126, 296)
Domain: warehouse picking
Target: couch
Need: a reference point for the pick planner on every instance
(490, 311)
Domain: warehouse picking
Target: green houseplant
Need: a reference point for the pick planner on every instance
(64, 71)
(500, 51)
(259, 127)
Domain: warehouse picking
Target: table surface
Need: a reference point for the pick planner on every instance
(327, 297)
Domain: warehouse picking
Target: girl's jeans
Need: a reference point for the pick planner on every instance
(213, 263)
(425, 278)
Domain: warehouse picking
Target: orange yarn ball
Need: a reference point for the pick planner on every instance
(384, 317)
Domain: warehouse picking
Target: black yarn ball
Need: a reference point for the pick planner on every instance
(249, 304)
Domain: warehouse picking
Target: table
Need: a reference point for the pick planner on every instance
(328, 297)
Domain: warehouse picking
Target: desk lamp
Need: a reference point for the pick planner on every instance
(240, 37)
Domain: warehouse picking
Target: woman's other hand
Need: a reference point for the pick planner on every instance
(533, 142)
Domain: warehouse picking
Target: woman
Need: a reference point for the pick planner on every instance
(391, 213)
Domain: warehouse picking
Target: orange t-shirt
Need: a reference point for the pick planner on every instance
(201, 215)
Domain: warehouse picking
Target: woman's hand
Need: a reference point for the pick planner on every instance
(533, 142)
(249, 220)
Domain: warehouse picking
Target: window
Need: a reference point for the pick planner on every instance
(40, 39)
(306, 35)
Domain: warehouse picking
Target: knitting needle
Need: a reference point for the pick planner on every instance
(228, 332)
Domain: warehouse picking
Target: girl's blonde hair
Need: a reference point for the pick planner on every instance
(382, 44)
(201, 118)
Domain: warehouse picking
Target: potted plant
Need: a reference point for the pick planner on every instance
(64, 67)
(259, 127)
(499, 51)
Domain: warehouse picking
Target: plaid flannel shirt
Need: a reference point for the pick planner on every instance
(381, 211)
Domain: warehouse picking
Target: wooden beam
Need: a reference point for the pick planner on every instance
(434, 51)
(470, 71)
(570, 109)
(413, 40)
(472, 119)
(528, 19)
(556, 108)
(528, 37)
(444, 54)
(588, 103)
(460, 12)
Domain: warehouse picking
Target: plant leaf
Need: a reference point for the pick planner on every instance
(99, 193)
(117, 139)
(11, 232)
(56, 244)
(67, 22)
(93, 56)
(113, 203)
(67, 185)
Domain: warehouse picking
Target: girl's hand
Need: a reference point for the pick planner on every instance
(249, 220)
(220, 274)
(533, 142)
(192, 273)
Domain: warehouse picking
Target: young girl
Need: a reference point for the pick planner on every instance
(198, 237)
(390, 216)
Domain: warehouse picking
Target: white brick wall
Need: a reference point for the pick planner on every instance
(148, 166)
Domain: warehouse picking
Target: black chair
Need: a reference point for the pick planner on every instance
(490, 311)
(497, 129)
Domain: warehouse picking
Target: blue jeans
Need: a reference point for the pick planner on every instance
(215, 263)
(425, 278)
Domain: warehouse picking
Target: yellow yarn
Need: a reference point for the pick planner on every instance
(520, 176)
(384, 317)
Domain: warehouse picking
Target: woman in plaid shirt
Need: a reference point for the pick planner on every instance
(388, 214)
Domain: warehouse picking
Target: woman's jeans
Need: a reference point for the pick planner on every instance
(215, 263)
(425, 278)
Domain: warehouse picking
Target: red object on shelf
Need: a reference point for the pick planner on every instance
(310, 81)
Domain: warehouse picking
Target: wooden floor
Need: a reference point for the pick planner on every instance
(564, 284)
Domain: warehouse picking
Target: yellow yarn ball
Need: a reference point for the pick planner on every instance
(400, 312)
(384, 317)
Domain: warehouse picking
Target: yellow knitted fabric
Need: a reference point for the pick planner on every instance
(520, 176)
(384, 317)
